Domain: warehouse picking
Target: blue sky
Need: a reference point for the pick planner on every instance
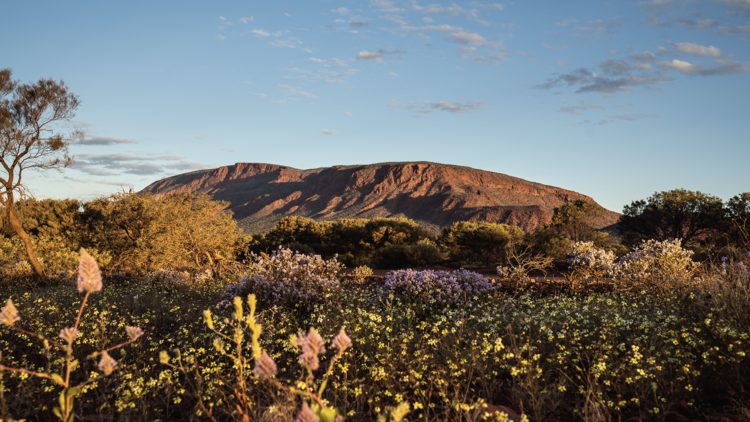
(615, 100)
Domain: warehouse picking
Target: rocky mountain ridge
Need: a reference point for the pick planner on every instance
(435, 195)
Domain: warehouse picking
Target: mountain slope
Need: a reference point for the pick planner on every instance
(434, 195)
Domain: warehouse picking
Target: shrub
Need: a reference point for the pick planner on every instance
(360, 275)
(392, 256)
(479, 242)
(424, 253)
(288, 278)
(457, 288)
(586, 260)
(655, 264)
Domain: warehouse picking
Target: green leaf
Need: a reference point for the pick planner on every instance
(328, 414)
(58, 379)
(62, 403)
(58, 413)
(74, 364)
(322, 387)
(72, 392)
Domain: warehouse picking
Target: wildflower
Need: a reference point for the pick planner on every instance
(309, 360)
(265, 366)
(316, 342)
(306, 414)
(342, 341)
(163, 357)
(133, 332)
(69, 334)
(89, 276)
(9, 315)
(107, 364)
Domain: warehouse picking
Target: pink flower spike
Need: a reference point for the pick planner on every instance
(9, 314)
(342, 341)
(89, 276)
(306, 414)
(265, 366)
(107, 364)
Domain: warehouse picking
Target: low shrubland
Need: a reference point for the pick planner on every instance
(425, 345)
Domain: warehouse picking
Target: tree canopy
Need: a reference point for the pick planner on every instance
(30, 140)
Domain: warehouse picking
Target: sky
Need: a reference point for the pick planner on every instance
(615, 100)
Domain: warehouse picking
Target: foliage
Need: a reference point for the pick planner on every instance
(479, 241)
(424, 252)
(30, 140)
(563, 356)
(178, 231)
(655, 265)
(675, 214)
(360, 275)
(438, 288)
(575, 219)
(89, 280)
(289, 278)
(586, 260)
(382, 242)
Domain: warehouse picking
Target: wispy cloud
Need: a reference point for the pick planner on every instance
(693, 48)
(577, 109)
(113, 164)
(492, 6)
(656, 6)
(725, 67)
(246, 19)
(260, 33)
(730, 29)
(632, 117)
(292, 92)
(104, 140)
(467, 38)
(370, 55)
(328, 131)
(457, 107)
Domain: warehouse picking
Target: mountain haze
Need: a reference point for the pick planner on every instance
(434, 195)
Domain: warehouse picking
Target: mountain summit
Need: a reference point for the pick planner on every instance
(434, 195)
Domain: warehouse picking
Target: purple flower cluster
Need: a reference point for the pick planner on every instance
(289, 278)
(739, 267)
(456, 288)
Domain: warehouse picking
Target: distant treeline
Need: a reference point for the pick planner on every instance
(138, 233)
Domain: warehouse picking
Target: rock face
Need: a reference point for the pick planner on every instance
(434, 195)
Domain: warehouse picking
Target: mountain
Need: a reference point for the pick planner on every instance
(434, 195)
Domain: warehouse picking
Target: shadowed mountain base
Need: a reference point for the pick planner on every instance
(434, 195)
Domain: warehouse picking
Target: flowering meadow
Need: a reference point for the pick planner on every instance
(289, 337)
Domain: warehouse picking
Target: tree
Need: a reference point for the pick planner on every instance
(675, 214)
(738, 216)
(29, 140)
(575, 219)
(480, 241)
(178, 231)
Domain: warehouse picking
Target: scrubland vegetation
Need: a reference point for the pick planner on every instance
(201, 322)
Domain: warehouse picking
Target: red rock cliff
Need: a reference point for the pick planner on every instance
(435, 195)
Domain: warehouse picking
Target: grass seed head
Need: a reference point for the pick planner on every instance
(9, 314)
(89, 275)
(342, 341)
(265, 367)
(107, 364)
(306, 414)
(133, 332)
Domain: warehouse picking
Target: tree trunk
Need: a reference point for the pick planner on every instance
(26, 239)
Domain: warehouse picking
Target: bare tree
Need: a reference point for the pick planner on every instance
(30, 115)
